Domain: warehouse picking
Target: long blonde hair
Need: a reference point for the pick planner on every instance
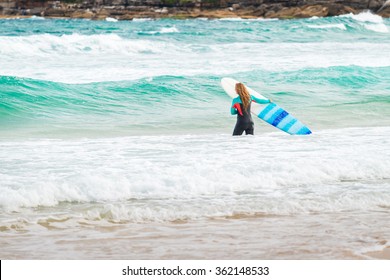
(244, 94)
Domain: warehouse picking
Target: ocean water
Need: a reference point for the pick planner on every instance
(115, 139)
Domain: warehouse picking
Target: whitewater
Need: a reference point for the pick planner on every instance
(115, 139)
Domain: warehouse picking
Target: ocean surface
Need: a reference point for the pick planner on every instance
(115, 139)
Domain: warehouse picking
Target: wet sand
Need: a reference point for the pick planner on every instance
(382, 255)
(256, 237)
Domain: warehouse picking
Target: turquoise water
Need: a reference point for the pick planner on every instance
(162, 76)
(105, 123)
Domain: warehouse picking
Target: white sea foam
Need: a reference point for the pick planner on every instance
(239, 19)
(167, 178)
(80, 58)
(328, 26)
(37, 18)
(262, 19)
(169, 30)
(111, 19)
(369, 21)
(48, 45)
(142, 19)
(365, 17)
(382, 28)
(231, 19)
(163, 30)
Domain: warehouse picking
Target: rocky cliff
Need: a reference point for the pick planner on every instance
(128, 9)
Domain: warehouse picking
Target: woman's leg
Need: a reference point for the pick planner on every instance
(238, 130)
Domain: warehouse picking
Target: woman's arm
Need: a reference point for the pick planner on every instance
(261, 101)
(233, 108)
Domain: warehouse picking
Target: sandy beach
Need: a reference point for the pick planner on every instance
(237, 237)
(382, 255)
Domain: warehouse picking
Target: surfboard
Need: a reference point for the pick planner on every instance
(270, 113)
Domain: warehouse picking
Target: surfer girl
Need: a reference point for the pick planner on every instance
(241, 106)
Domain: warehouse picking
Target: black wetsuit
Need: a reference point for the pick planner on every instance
(244, 122)
(244, 118)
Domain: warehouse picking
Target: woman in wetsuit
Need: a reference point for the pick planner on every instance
(241, 106)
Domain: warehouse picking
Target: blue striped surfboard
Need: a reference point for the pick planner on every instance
(279, 118)
(270, 113)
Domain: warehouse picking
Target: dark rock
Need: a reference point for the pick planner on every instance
(260, 11)
(339, 9)
(190, 8)
(385, 12)
(55, 12)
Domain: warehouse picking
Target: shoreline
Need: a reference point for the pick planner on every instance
(380, 255)
(218, 238)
